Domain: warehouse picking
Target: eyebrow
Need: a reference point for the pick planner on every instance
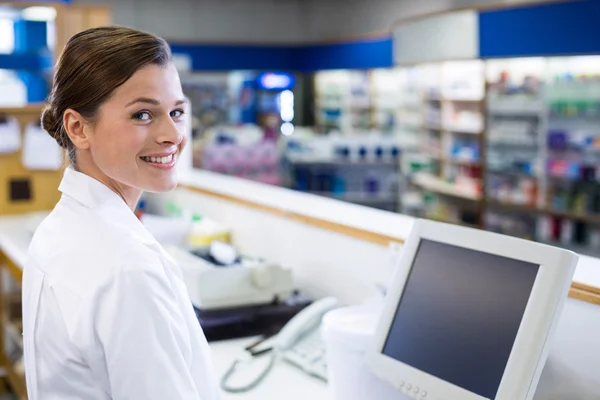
(154, 102)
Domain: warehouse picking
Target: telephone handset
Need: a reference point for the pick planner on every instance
(298, 342)
(303, 323)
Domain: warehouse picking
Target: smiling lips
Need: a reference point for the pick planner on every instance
(165, 162)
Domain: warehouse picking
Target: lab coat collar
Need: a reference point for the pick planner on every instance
(93, 194)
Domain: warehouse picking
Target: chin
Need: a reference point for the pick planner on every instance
(162, 186)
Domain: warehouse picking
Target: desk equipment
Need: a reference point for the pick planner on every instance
(298, 343)
(347, 333)
(470, 314)
(255, 320)
(245, 281)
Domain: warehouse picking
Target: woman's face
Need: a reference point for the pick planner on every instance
(139, 132)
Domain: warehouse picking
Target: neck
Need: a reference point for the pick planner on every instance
(130, 195)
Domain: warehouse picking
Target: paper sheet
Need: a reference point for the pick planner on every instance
(40, 150)
(10, 136)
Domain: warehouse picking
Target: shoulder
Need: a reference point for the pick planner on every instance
(82, 250)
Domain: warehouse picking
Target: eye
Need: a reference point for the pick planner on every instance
(142, 116)
(176, 113)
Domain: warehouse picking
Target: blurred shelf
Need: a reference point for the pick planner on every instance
(463, 131)
(438, 185)
(464, 163)
(13, 330)
(529, 146)
(587, 218)
(577, 248)
(514, 206)
(316, 161)
(448, 221)
(510, 107)
(359, 197)
(436, 99)
(510, 173)
(16, 379)
(454, 161)
(462, 100)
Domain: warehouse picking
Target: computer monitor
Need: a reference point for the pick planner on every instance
(470, 314)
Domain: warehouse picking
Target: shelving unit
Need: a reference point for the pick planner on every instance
(516, 121)
(384, 103)
(343, 100)
(508, 145)
(451, 139)
(70, 19)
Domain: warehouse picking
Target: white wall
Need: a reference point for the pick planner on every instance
(327, 263)
(212, 20)
(338, 18)
(273, 21)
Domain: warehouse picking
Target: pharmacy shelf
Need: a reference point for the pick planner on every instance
(298, 160)
(434, 184)
(587, 218)
(447, 221)
(462, 131)
(454, 161)
(453, 100)
(520, 174)
(359, 197)
(577, 248)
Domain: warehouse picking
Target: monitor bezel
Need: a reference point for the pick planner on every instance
(530, 349)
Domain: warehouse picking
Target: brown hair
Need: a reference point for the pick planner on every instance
(93, 64)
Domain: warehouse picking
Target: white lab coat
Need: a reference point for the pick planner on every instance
(105, 311)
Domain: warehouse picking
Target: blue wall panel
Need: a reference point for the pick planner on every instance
(552, 29)
(25, 61)
(229, 57)
(373, 53)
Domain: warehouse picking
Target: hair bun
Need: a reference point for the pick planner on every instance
(53, 126)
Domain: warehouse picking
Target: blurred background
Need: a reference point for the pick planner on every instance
(480, 113)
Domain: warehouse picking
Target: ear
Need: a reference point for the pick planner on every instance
(77, 129)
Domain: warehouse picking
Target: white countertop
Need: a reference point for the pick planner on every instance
(283, 382)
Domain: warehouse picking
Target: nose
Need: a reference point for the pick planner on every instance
(170, 132)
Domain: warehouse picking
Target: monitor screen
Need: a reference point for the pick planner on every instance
(459, 315)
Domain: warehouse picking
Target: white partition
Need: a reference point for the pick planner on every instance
(450, 36)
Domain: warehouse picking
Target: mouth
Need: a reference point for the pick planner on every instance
(164, 162)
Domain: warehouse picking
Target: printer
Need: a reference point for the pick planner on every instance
(241, 281)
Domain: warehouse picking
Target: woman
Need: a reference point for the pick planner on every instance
(105, 312)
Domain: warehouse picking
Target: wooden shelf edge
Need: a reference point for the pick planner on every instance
(357, 233)
(32, 108)
(13, 269)
(584, 295)
(15, 380)
(586, 288)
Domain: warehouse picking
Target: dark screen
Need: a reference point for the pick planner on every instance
(459, 315)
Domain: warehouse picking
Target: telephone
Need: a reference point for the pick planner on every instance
(298, 343)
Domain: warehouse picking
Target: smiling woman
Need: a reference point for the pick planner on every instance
(112, 112)
(105, 313)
